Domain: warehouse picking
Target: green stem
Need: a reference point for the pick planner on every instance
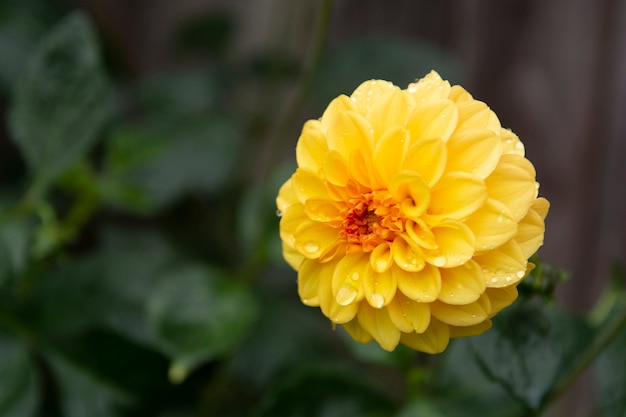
(597, 345)
(280, 135)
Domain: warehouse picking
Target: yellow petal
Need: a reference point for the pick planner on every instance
(311, 147)
(411, 192)
(427, 158)
(381, 258)
(361, 169)
(408, 315)
(291, 219)
(458, 94)
(504, 266)
(475, 114)
(513, 183)
(335, 170)
(307, 184)
(339, 105)
(349, 131)
(474, 151)
(433, 119)
(455, 245)
(429, 88)
(389, 153)
(347, 282)
(541, 206)
(530, 232)
(309, 279)
(389, 110)
(368, 92)
(377, 323)
(379, 288)
(286, 197)
(462, 285)
(357, 332)
(434, 340)
(512, 144)
(466, 331)
(322, 210)
(422, 286)
(406, 256)
(501, 298)
(420, 235)
(336, 312)
(292, 256)
(492, 225)
(457, 195)
(462, 315)
(313, 238)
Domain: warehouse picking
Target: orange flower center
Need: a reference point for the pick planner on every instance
(369, 220)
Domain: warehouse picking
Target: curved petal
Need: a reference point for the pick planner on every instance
(466, 331)
(457, 196)
(406, 256)
(368, 92)
(422, 286)
(501, 298)
(462, 285)
(322, 210)
(361, 169)
(357, 332)
(462, 315)
(434, 340)
(349, 131)
(389, 110)
(335, 169)
(541, 206)
(433, 119)
(292, 256)
(348, 276)
(291, 219)
(458, 94)
(313, 238)
(504, 266)
(309, 279)
(411, 192)
(336, 312)
(408, 315)
(476, 151)
(379, 288)
(427, 158)
(381, 258)
(511, 143)
(378, 324)
(286, 197)
(307, 184)
(429, 88)
(311, 147)
(339, 105)
(389, 153)
(513, 183)
(530, 233)
(455, 245)
(492, 225)
(474, 114)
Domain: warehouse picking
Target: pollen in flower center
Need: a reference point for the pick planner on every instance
(369, 220)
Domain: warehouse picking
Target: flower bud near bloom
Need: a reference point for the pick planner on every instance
(412, 214)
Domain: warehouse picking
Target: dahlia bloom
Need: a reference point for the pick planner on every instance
(412, 214)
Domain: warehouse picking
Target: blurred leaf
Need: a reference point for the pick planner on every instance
(528, 348)
(63, 99)
(15, 237)
(198, 313)
(395, 59)
(207, 32)
(323, 391)
(83, 394)
(149, 167)
(19, 385)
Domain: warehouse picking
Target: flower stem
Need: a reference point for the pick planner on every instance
(605, 335)
(280, 134)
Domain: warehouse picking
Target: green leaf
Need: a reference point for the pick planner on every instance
(198, 313)
(395, 59)
(528, 348)
(19, 384)
(150, 166)
(15, 238)
(83, 394)
(62, 101)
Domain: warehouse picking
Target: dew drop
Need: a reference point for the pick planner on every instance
(494, 279)
(520, 273)
(279, 213)
(311, 247)
(509, 278)
(500, 218)
(381, 265)
(451, 294)
(377, 300)
(412, 88)
(355, 276)
(345, 296)
(439, 261)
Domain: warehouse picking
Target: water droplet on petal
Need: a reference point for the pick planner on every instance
(520, 273)
(355, 276)
(500, 218)
(494, 279)
(311, 247)
(377, 300)
(345, 296)
(509, 278)
(439, 261)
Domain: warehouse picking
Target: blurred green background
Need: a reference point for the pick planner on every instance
(142, 145)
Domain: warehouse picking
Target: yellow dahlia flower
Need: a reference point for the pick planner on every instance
(412, 214)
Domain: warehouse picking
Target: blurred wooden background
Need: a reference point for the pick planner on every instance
(553, 71)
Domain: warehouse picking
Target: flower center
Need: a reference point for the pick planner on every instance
(369, 220)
